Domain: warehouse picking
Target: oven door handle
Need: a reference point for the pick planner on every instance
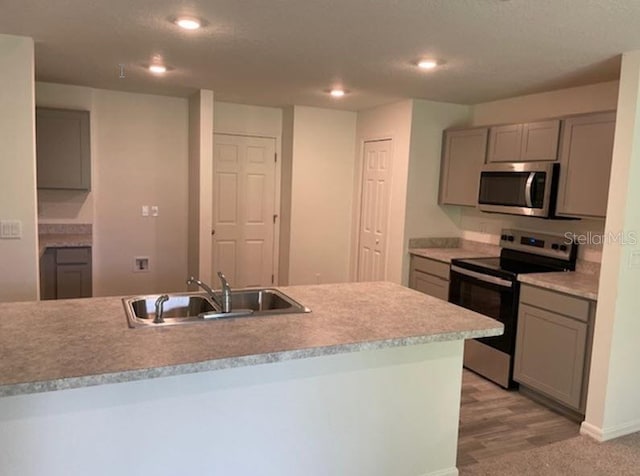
(505, 283)
(527, 190)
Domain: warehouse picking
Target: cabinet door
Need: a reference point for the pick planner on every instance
(63, 149)
(73, 281)
(550, 354)
(48, 274)
(429, 284)
(540, 141)
(505, 143)
(585, 165)
(464, 153)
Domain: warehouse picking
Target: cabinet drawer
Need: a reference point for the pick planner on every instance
(430, 266)
(556, 302)
(429, 284)
(73, 255)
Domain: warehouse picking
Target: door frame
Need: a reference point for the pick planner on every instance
(357, 205)
(277, 183)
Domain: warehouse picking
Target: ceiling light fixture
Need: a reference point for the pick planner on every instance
(188, 23)
(337, 92)
(427, 64)
(157, 69)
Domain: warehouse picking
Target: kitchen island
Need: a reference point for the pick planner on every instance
(367, 383)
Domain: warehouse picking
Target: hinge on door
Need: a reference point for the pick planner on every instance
(275, 157)
(272, 279)
(275, 217)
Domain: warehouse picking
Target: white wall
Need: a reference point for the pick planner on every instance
(423, 216)
(389, 121)
(613, 407)
(67, 206)
(321, 195)
(230, 118)
(562, 102)
(585, 99)
(18, 257)
(142, 159)
(200, 185)
(372, 413)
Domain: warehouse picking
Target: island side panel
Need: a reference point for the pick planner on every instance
(374, 412)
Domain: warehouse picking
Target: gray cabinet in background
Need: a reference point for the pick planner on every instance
(65, 273)
(553, 345)
(429, 277)
(586, 153)
(463, 155)
(63, 149)
(533, 141)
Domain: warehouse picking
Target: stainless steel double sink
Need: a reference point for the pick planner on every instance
(186, 308)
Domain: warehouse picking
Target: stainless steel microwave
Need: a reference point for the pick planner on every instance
(522, 188)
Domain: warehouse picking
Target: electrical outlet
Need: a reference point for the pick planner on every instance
(141, 264)
(10, 229)
(145, 210)
(155, 211)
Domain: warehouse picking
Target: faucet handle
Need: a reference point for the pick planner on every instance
(223, 280)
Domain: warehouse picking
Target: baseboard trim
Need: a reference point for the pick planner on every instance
(606, 434)
(444, 472)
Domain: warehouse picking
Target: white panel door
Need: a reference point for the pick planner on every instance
(374, 212)
(243, 209)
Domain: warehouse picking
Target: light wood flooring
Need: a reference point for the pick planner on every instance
(495, 422)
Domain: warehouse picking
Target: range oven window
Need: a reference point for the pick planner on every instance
(512, 189)
(495, 301)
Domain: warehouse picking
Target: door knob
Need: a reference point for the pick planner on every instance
(213, 232)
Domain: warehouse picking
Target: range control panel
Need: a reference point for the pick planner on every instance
(556, 246)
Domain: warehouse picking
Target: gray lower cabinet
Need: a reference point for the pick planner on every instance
(65, 273)
(429, 277)
(463, 155)
(63, 149)
(586, 152)
(553, 345)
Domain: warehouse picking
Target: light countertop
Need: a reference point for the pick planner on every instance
(445, 255)
(52, 345)
(583, 285)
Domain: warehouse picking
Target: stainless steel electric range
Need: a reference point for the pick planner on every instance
(490, 286)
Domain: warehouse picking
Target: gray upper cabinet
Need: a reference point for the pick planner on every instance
(63, 149)
(463, 155)
(534, 141)
(505, 143)
(586, 151)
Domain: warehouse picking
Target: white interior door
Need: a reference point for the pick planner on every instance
(374, 211)
(244, 209)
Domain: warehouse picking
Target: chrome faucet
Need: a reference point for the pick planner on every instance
(226, 293)
(160, 309)
(224, 299)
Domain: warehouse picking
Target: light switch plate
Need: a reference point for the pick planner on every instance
(10, 229)
(634, 259)
(145, 210)
(155, 211)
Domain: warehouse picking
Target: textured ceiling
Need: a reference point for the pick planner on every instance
(283, 52)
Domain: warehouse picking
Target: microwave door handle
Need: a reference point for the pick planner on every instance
(528, 189)
(505, 283)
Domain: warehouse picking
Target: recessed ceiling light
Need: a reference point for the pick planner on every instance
(427, 64)
(157, 68)
(188, 23)
(337, 92)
